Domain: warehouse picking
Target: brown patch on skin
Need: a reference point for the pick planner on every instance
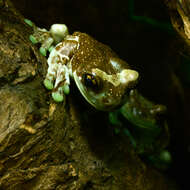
(60, 84)
(64, 51)
(64, 60)
(93, 54)
(56, 59)
(58, 47)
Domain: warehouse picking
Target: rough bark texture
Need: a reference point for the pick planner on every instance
(48, 146)
(180, 17)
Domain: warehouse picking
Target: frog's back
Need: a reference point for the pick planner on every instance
(91, 53)
(89, 42)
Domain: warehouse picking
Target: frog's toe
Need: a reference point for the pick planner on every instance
(43, 51)
(165, 156)
(33, 39)
(48, 84)
(58, 96)
(51, 48)
(29, 22)
(66, 89)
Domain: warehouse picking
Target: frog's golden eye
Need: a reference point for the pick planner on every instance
(90, 80)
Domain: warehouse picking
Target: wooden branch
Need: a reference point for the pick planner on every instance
(179, 14)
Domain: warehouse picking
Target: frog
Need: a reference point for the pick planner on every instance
(105, 81)
(147, 118)
(144, 123)
(100, 75)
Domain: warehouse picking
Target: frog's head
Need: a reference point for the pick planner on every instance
(105, 86)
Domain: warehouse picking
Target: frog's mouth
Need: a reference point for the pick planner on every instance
(92, 99)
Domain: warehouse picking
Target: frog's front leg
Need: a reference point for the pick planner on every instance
(58, 75)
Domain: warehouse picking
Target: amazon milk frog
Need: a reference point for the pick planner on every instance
(101, 76)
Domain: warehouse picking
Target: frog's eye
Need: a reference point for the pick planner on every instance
(90, 80)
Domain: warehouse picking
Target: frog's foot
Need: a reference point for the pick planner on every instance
(58, 95)
(44, 37)
(57, 80)
(29, 22)
(47, 38)
(161, 160)
(48, 83)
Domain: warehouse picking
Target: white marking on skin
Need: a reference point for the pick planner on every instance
(69, 66)
(62, 73)
(59, 76)
(52, 56)
(52, 69)
(58, 52)
(128, 75)
(73, 38)
(125, 76)
(63, 56)
(56, 69)
(47, 42)
(67, 79)
(115, 64)
(42, 29)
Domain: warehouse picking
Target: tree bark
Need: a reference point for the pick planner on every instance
(44, 145)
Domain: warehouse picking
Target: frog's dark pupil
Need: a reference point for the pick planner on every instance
(89, 80)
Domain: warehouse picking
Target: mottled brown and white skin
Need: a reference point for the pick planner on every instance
(101, 76)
